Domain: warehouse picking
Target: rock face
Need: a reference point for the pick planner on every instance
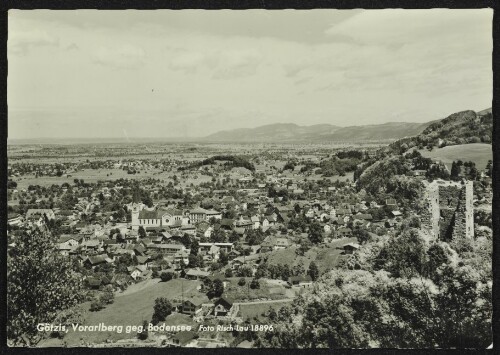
(450, 213)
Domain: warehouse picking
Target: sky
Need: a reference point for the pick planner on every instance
(190, 73)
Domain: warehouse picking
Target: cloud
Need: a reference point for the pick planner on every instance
(123, 56)
(187, 61)
(237, 63)
(71, 47)
(20, 42)
(222, 64)
(395, 26)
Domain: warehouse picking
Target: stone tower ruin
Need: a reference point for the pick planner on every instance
(449, 211)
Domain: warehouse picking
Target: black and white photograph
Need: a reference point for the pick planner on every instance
(285, 179)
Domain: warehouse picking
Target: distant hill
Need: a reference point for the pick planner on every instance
(485, 112)
(459, 128)
(272, 132)
(385, 131)
(290, 132)
(462, 127)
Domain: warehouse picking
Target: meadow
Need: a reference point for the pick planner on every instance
(479, 153)
(326, 257)
(253, 310)
(131, 309)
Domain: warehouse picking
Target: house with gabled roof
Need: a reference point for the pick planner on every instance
(70, 240)
(343, 232)
(227, 224)
(94, 282)
(196, 274)
(138, 271)
(94, 260)
(223, 306)
(255, 221)
(274, 243)
(391, 202)
(193, 305)
(303, 281)
(197, 214)
(37, 213)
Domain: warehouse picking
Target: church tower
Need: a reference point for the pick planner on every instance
(135, 217)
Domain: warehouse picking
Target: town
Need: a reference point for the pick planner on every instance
(223, 236)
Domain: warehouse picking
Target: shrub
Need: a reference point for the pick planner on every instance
(96, 305)
(144, 334)
(107, 297)
(255, 284)
(166, 276)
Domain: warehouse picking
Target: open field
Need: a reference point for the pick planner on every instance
(245, 293)
(133, 309)
(329, 257)
(252, 310)
(347, 177)
(92, 176)
(326, 257)
(88, 175)
(479, 153)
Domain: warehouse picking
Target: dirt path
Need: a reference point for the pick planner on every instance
(263, 302)
(138, 287)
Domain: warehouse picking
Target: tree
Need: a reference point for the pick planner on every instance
(228, 272)
(166, 276)
(96, 305)
(362, 235)
(455, 171)
(315, 233)
(11, 184)
(193, 260)
(245, 271)
(254, 284)
(313, 271)
(216, 289)
(186, 240)
(305, 245)
(489, 168)
(144, 334)
(120, 238)
(215, 266)
(142, 232)
(234, 237)
(195, 246)
(405, 256)
(162, 309)
(107, 297)
(223, 258)
(40, 284)
(242, 282)
(436, 257)
(147, 201)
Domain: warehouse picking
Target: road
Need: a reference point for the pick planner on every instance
(263, 302)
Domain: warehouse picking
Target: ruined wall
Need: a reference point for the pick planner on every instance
(464, 215)
(430, 214)
(450, 211)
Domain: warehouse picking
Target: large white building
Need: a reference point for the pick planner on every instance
(200, 214)
(157, 218)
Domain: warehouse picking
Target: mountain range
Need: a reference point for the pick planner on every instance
(290, 132)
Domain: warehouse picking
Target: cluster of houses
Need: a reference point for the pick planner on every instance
(166, 226)
(154, 237)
